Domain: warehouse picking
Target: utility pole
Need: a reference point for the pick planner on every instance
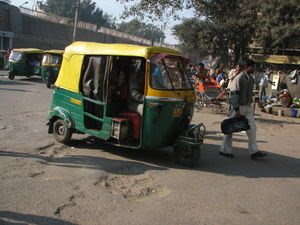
(76, 19)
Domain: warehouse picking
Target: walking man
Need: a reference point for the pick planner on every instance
(241, 93)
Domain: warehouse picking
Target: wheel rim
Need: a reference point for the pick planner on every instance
(61, 130)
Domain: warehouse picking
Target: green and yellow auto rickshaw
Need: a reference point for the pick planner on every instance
(127, 95)
(51, 63)
(2, 55)
(24, 62)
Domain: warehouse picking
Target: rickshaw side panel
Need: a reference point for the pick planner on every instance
(162, 122)
(72, 103)
(50, 72)
(18, 68)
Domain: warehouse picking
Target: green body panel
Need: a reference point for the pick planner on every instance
(75, 113)
(49, 73)
(161, 126)
(22, 69)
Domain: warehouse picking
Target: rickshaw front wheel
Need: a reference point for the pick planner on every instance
(187, 155)
(11, 76)
(61, 131)
(48, 84)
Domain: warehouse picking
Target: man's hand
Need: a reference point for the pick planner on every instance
(237, 114)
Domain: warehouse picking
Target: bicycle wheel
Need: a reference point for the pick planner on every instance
(199, 104)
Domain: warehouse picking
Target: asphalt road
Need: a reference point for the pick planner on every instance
(43, 182)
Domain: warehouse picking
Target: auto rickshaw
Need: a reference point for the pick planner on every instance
(94, 91)
(51, 63)
(24, 62)
(2, 54)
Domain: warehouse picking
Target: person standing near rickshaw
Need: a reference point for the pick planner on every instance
(136, 88)
(263, 84)
(241, 94)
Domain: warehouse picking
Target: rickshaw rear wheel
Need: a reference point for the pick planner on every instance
(61, 132)
(187, 155)
(199, 103)
(11, 76)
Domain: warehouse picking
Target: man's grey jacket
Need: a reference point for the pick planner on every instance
(241, 90)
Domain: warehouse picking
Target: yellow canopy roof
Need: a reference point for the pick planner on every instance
(276, 59)
(54, 51)
(28, 50)
(69, 74)
(93, 48)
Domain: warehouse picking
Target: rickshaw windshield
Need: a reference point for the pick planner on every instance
(16, 56)
(168, 73)
(52, 59)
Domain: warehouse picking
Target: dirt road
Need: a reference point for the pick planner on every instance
(43, 182)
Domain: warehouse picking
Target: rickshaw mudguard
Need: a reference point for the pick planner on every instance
(193, 135)
(61, 113)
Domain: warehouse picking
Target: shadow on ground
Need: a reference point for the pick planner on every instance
(114, 166)
(17, 90)
(273, 166)
(212, 135)
(137, 162)
(279, 122)
(23, 219)
(13, 82)
(35, 79)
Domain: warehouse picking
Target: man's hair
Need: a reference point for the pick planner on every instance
(249, 63)
(201, 64)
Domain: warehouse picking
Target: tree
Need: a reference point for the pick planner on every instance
(143, 30)
(88, 11)
(278, 25)
(228, 24)
(231, 24)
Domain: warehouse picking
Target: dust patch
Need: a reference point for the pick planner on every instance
(242, 210)
(33, 175)
(71, 202)
(133, 186)
(53, 152)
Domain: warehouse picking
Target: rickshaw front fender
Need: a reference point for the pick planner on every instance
(193, 135)
(59, 113)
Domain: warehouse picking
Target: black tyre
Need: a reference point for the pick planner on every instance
(61, 131)
(11, 76)
(187, 155)
(48, 84)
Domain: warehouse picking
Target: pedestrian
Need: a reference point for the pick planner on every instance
(263, 84)
(234, 72)
(241, 94)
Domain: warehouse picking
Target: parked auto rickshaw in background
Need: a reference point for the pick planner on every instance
(2, 55)
(127, 95)
(51, 63)
(24, 62)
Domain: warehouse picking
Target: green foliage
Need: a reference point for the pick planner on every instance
(221, 25)
(143, 30)
(88, 11)
(278, 25)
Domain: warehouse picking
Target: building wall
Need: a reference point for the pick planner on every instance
(33, 32)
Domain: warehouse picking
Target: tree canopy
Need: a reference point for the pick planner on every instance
(141, 29)
(221, 25)
(88, 11)
(278, 25)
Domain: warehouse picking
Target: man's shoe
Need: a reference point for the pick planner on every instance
(228, 155)
(258, 154)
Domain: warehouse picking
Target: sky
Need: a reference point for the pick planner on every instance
(114, 8)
